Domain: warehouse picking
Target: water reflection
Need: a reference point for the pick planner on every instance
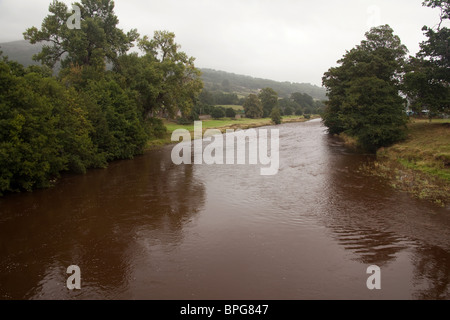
(431, 273)
(378, 224)
(97, 222)
(147, 229)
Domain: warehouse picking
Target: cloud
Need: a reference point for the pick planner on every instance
(285, 40)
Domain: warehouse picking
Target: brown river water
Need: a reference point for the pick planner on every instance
(148, 229)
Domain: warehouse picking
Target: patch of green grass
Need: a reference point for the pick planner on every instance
(227, 123)
(220, 124)
(419, 165)
(427, 148)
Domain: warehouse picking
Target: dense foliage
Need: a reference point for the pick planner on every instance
(253, 107)
(367, 90)
(426, 82)
(363, 91)
(275, 115)
(99, 106)
(269, 100)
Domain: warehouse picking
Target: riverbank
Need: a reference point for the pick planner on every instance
(421, 164)
(222, 125)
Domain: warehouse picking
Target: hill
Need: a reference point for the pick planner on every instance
(22, 51)
(243, 85)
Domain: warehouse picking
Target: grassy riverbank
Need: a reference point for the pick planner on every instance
(421, 164)
(222, 125)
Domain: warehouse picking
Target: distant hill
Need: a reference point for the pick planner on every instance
(243, 85)
(22, 51)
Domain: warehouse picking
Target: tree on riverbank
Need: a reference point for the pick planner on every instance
(253, 107)
(98, 107)
(275, 115)
(269, 100)
(427, 79)
(363, 91)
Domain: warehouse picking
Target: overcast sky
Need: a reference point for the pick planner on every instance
(284, 40)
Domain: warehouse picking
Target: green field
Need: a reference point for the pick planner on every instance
(421, 164)
(221, 124)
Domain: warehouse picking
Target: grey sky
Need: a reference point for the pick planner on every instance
(284, 40)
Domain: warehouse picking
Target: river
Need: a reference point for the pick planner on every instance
(148, 229)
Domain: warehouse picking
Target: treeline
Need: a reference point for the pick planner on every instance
(88, 114)
(375, 83)
(267, 101)
(298, 103)
(213, 98)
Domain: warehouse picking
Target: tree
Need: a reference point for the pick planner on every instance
(44, 129)
(363, 91)
(218, 113)
(426, 82)
(141, 75)
(180, 83)
(302, 99)
(269, 100)
(230, 113)
(120, 131)
(275, 115)
(253, 107)
(288, 111)
(207, 98)
(99, 41)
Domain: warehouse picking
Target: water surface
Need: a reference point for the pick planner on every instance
(148, 229)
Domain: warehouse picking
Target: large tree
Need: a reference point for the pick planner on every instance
(98, 42)
(426, 82)
(269, 100)
(253, 107)
(180, 83)
(363, 91)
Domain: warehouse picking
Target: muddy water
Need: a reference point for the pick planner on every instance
(147, 229)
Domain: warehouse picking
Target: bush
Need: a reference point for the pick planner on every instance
(207, 109)
(156, 128)
(230, 113)
(288, 111)
(218, 113)
(184, 121)
(276, 116)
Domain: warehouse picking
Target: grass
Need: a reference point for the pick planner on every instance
(220, 124)
(349, 141)
(421, 164)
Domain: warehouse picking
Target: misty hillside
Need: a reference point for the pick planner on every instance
(244, 85)
(22, 51)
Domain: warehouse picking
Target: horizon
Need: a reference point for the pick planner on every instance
(286, 41)
(212, 69)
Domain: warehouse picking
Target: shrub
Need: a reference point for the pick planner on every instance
(230, 113)
(218, 113)
(157, 129)
(276, 116)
